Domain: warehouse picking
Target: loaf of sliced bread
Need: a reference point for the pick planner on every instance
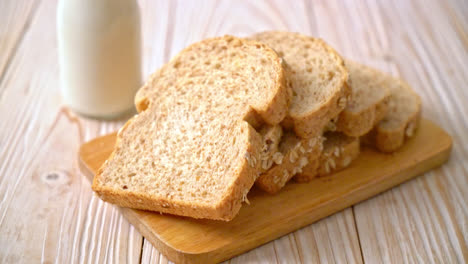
(368, 103)
(191, 150)
(400, 121)
(317, 76)
(293, 155)
(338, 152)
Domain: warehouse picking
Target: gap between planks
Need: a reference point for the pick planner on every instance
(357, 233)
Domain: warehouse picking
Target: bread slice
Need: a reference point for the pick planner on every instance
(294, 154)
(269, 104)
(317, 76)
(401, 120)
(191, 151)
(338, 152)
(368, 103)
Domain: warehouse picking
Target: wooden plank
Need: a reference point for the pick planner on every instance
(15, 18)
(187, 240)
(151, 255)
(47, 210)
(325, 236)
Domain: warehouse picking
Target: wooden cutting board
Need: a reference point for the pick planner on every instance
(185, 240)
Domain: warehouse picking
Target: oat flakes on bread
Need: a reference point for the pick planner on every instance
(293, 155)
(191, 150)
(271, 138)
(338, 152)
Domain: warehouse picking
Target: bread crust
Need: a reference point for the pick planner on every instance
(391, 140)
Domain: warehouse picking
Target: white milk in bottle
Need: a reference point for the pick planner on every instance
(99, 47)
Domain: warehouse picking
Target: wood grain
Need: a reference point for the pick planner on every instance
(423, 221)
(47, 212)
(15, 19)
(186, 240)
(424, 41)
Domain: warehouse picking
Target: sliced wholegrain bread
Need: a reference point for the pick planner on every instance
(317, 76)
(191, 151)
(400, 121)
(293, 155)
(338, 152)
(368, 101)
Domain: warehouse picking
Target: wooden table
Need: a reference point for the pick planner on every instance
(48, 212)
